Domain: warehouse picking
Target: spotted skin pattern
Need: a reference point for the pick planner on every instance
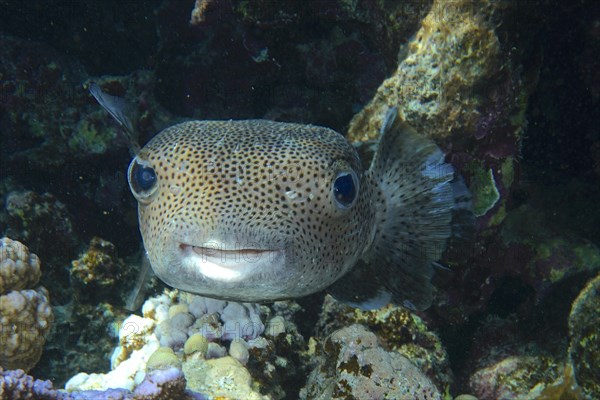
(260, 211)
(262, 190)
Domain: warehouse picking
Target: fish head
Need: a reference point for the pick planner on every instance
(251, 210)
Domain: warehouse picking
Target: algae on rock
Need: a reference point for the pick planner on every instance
(455, 50)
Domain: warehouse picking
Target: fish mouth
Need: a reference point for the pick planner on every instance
(226, 262)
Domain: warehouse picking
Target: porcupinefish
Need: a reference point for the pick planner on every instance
(257, 210)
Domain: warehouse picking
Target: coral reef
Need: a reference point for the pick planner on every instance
(352, 365)
(95, 273)
(46, 225)
(461, 73)
(83, 337)
(277, 361)
(433, 91)
(41, 220)
(399, 330)
(163, 357)
(509, 360)
(26, 318)
(166, 384)
(442, 88)
(89, 312)
(17, 385)
(19, 269)
(535, 260)
(191, 332)
(564, 388)
(51, 118)
(35, 77)
(224, 376)
(56, 139)
(550, 253)
(25, 314)
(526, 377)
(584, 352)
(516, 377)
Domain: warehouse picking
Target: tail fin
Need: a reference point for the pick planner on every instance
(418, 195)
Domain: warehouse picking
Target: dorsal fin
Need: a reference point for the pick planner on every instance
(118, 109)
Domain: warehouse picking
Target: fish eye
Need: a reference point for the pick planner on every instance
(142, 179)
(345, 189)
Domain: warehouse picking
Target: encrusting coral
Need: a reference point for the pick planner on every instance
(25, 314)
(455, 50)
(398, 330)
(351, 364)
(585, 338)
(184, 331)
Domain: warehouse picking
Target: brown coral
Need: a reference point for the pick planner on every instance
(26, 318)
(95, 273)
(25, 314)
(98, 265)
(19, 269)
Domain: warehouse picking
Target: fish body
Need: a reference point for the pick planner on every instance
(244, 209)
(258, 210)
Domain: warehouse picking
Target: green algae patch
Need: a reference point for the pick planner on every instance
(587, 255)
(507, 171)
(499, 217)
(87, 138)
(483, 187)
(577, 256)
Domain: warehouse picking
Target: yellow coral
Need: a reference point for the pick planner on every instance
(178, 308)
(455, 50)
(223, 377)
(97, 264)
(162, 358)
(195, 343)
